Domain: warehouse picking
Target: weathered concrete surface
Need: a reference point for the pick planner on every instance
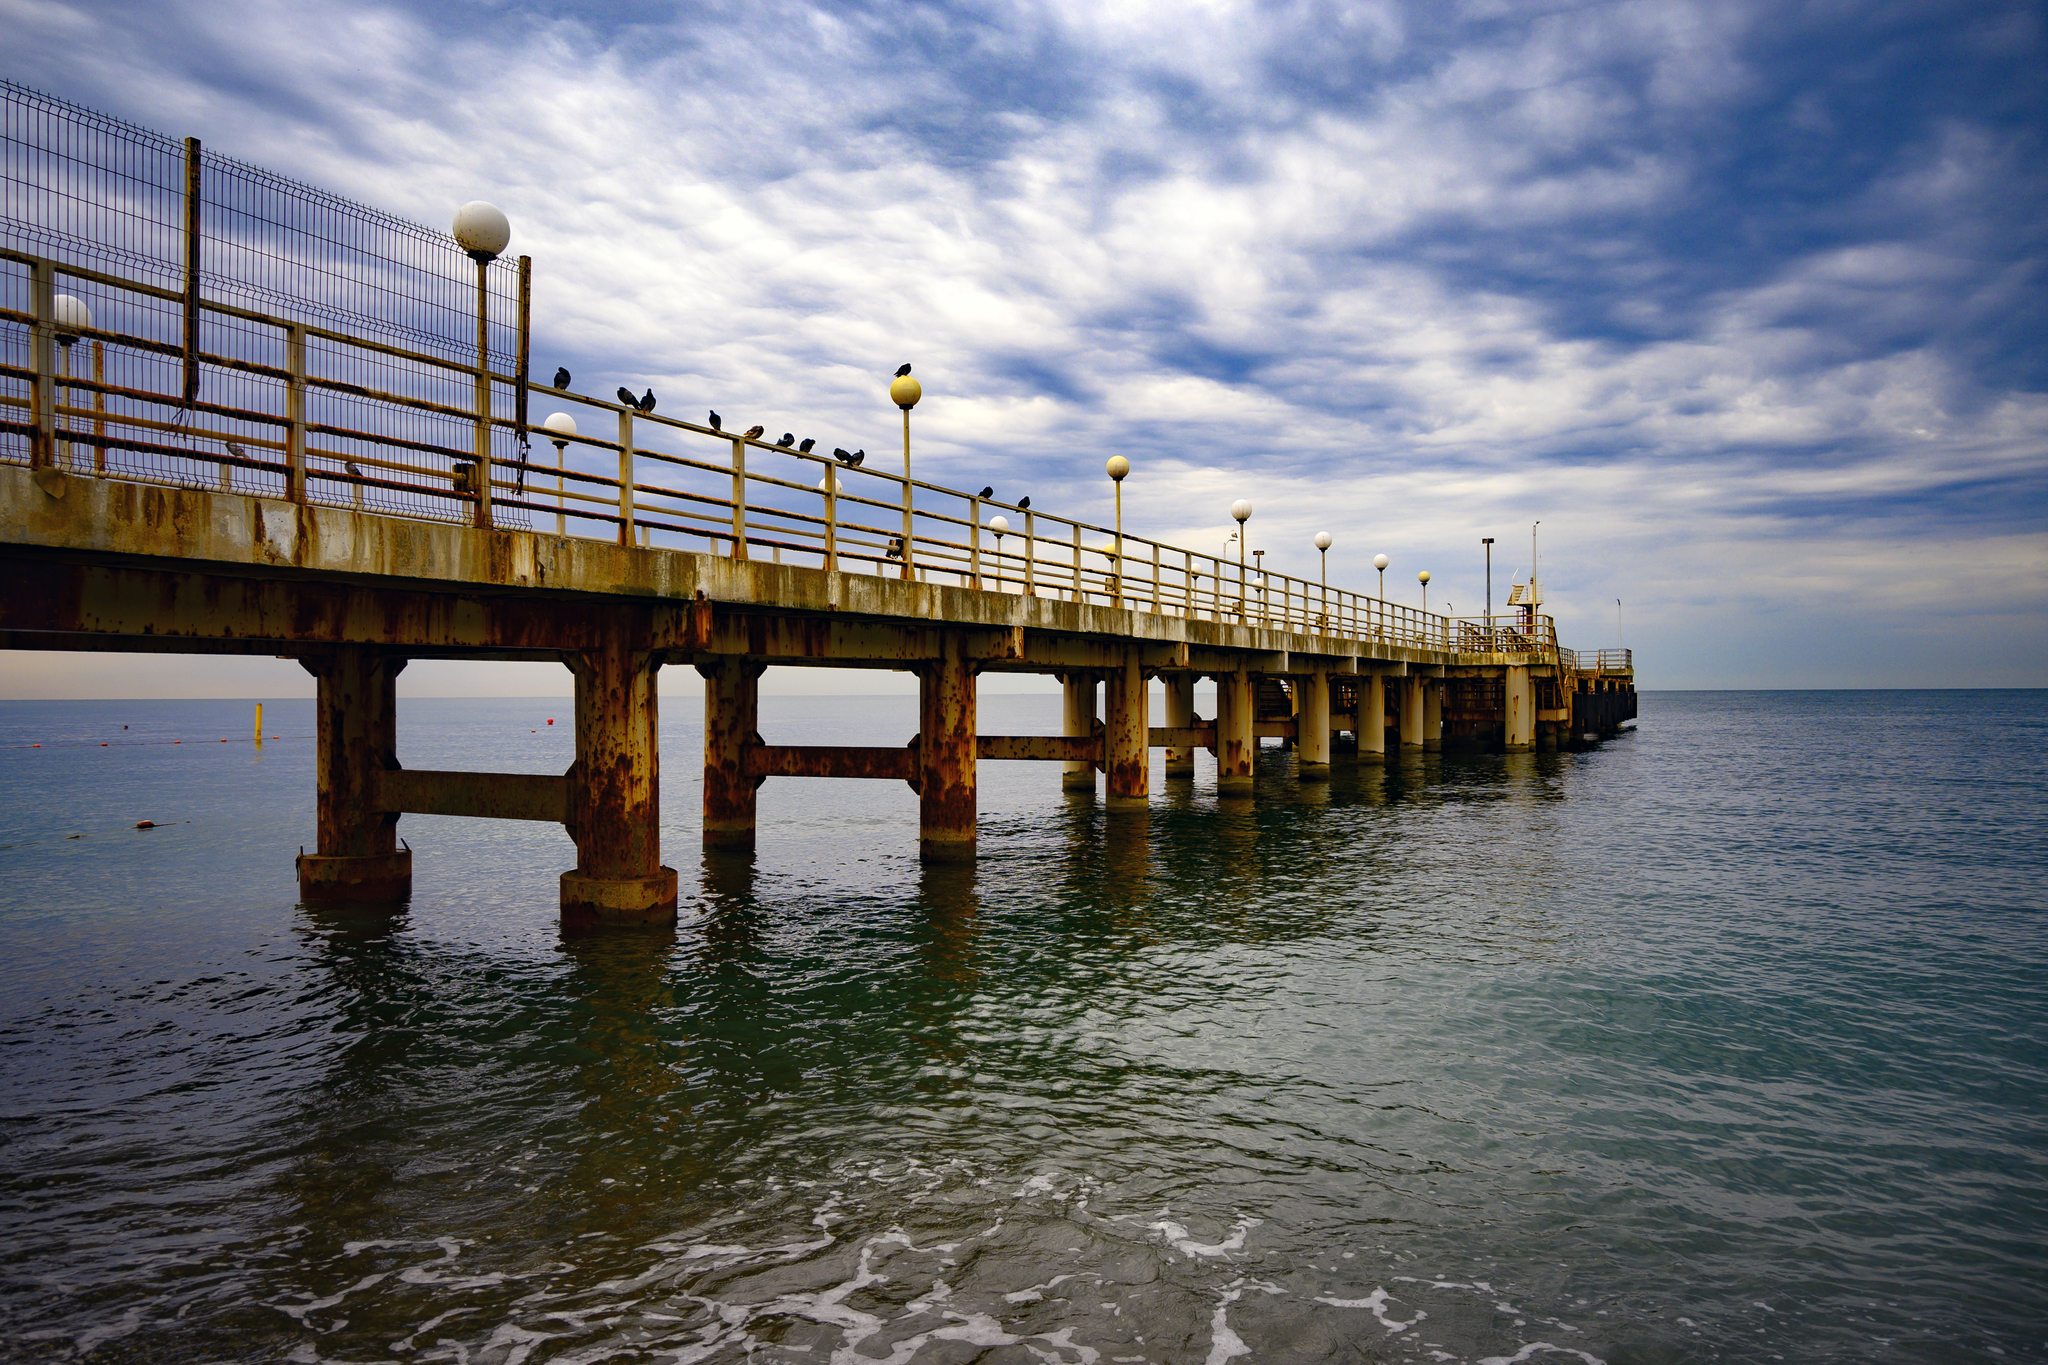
(947, 753)
(732, 721)
(1236, 742)
(1180, 715)
(616, 803)
(1372, 720)
(357, 857)
(1077, 721)
(1312, 742)
(1126, 733)
(105, 523)
(1521, 711)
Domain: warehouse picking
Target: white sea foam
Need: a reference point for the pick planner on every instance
(1377, 1302)
(1177, 1237)
(1529, 1351)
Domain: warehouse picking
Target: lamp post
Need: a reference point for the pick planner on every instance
(1259, 563)
(1323, 543)
(1380, 562)
(1487, 541)
(1000, 526)
(1241, 511)
(1423, 579)
(70, 316)
(904, 391)
(563, 426)
(482, 231)
(1117, 468)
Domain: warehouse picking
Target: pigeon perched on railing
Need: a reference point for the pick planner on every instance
(236, 450)
(987, 492)
(647, 401)
(788, 440)
(562, 378)
(1023, 504)
(717, 424)
(902, 370)
(626, 397)
(895, 547)
(806, 444)
(756, 432)
(850, 461)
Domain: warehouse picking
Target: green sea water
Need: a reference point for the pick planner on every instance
(1723, 1041)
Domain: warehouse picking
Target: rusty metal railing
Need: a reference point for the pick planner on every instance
(303, 427)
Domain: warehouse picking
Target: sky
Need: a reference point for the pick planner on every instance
(1744, 302)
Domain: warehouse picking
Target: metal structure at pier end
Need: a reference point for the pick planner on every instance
(238, 415)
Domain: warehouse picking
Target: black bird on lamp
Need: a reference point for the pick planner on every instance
(902, 370)
(788, 440)
(626, 397)
(806, 444)
(988, 492)
(562, 378)
(756, 432)
(717, 423)
(647, 401)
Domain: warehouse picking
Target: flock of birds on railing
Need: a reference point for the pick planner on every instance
(851, 459)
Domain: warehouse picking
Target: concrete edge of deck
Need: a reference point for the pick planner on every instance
(109, 520)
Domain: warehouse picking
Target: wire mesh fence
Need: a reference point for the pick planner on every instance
(216, 324)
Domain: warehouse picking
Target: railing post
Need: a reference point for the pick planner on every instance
(295, 414)
(1187, 580)
(974, 541)
(1030, 556)
(625, 477)
(191, 319)
(831, 518)
(1155, 576)
(99, 408)
(42, 288)
(1079, 595)
(739, 497)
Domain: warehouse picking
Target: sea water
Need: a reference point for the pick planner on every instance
(1724, 1040)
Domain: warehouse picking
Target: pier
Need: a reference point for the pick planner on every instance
(190, 466)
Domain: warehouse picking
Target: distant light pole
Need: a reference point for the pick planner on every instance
(1323, 543)
(563, 426)
(1423, 578)
(1487, 541)
(904, 391)
(483, 231)
(1618, 642)
(1242, 512)
(1380, 562)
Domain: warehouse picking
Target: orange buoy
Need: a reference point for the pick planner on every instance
(145, 824)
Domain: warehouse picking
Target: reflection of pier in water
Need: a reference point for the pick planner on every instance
(250, 470)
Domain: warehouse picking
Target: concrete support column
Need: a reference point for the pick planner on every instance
(1236, 739)
(1433, 715)
(1077, 691)
(946, 755)
(358, 857)
(1411, 713)
(1180, 715)
(1126, 736)
(1312, 729)
(1520, 721)
(1372, 719)
(732, 721)
(615, 797)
